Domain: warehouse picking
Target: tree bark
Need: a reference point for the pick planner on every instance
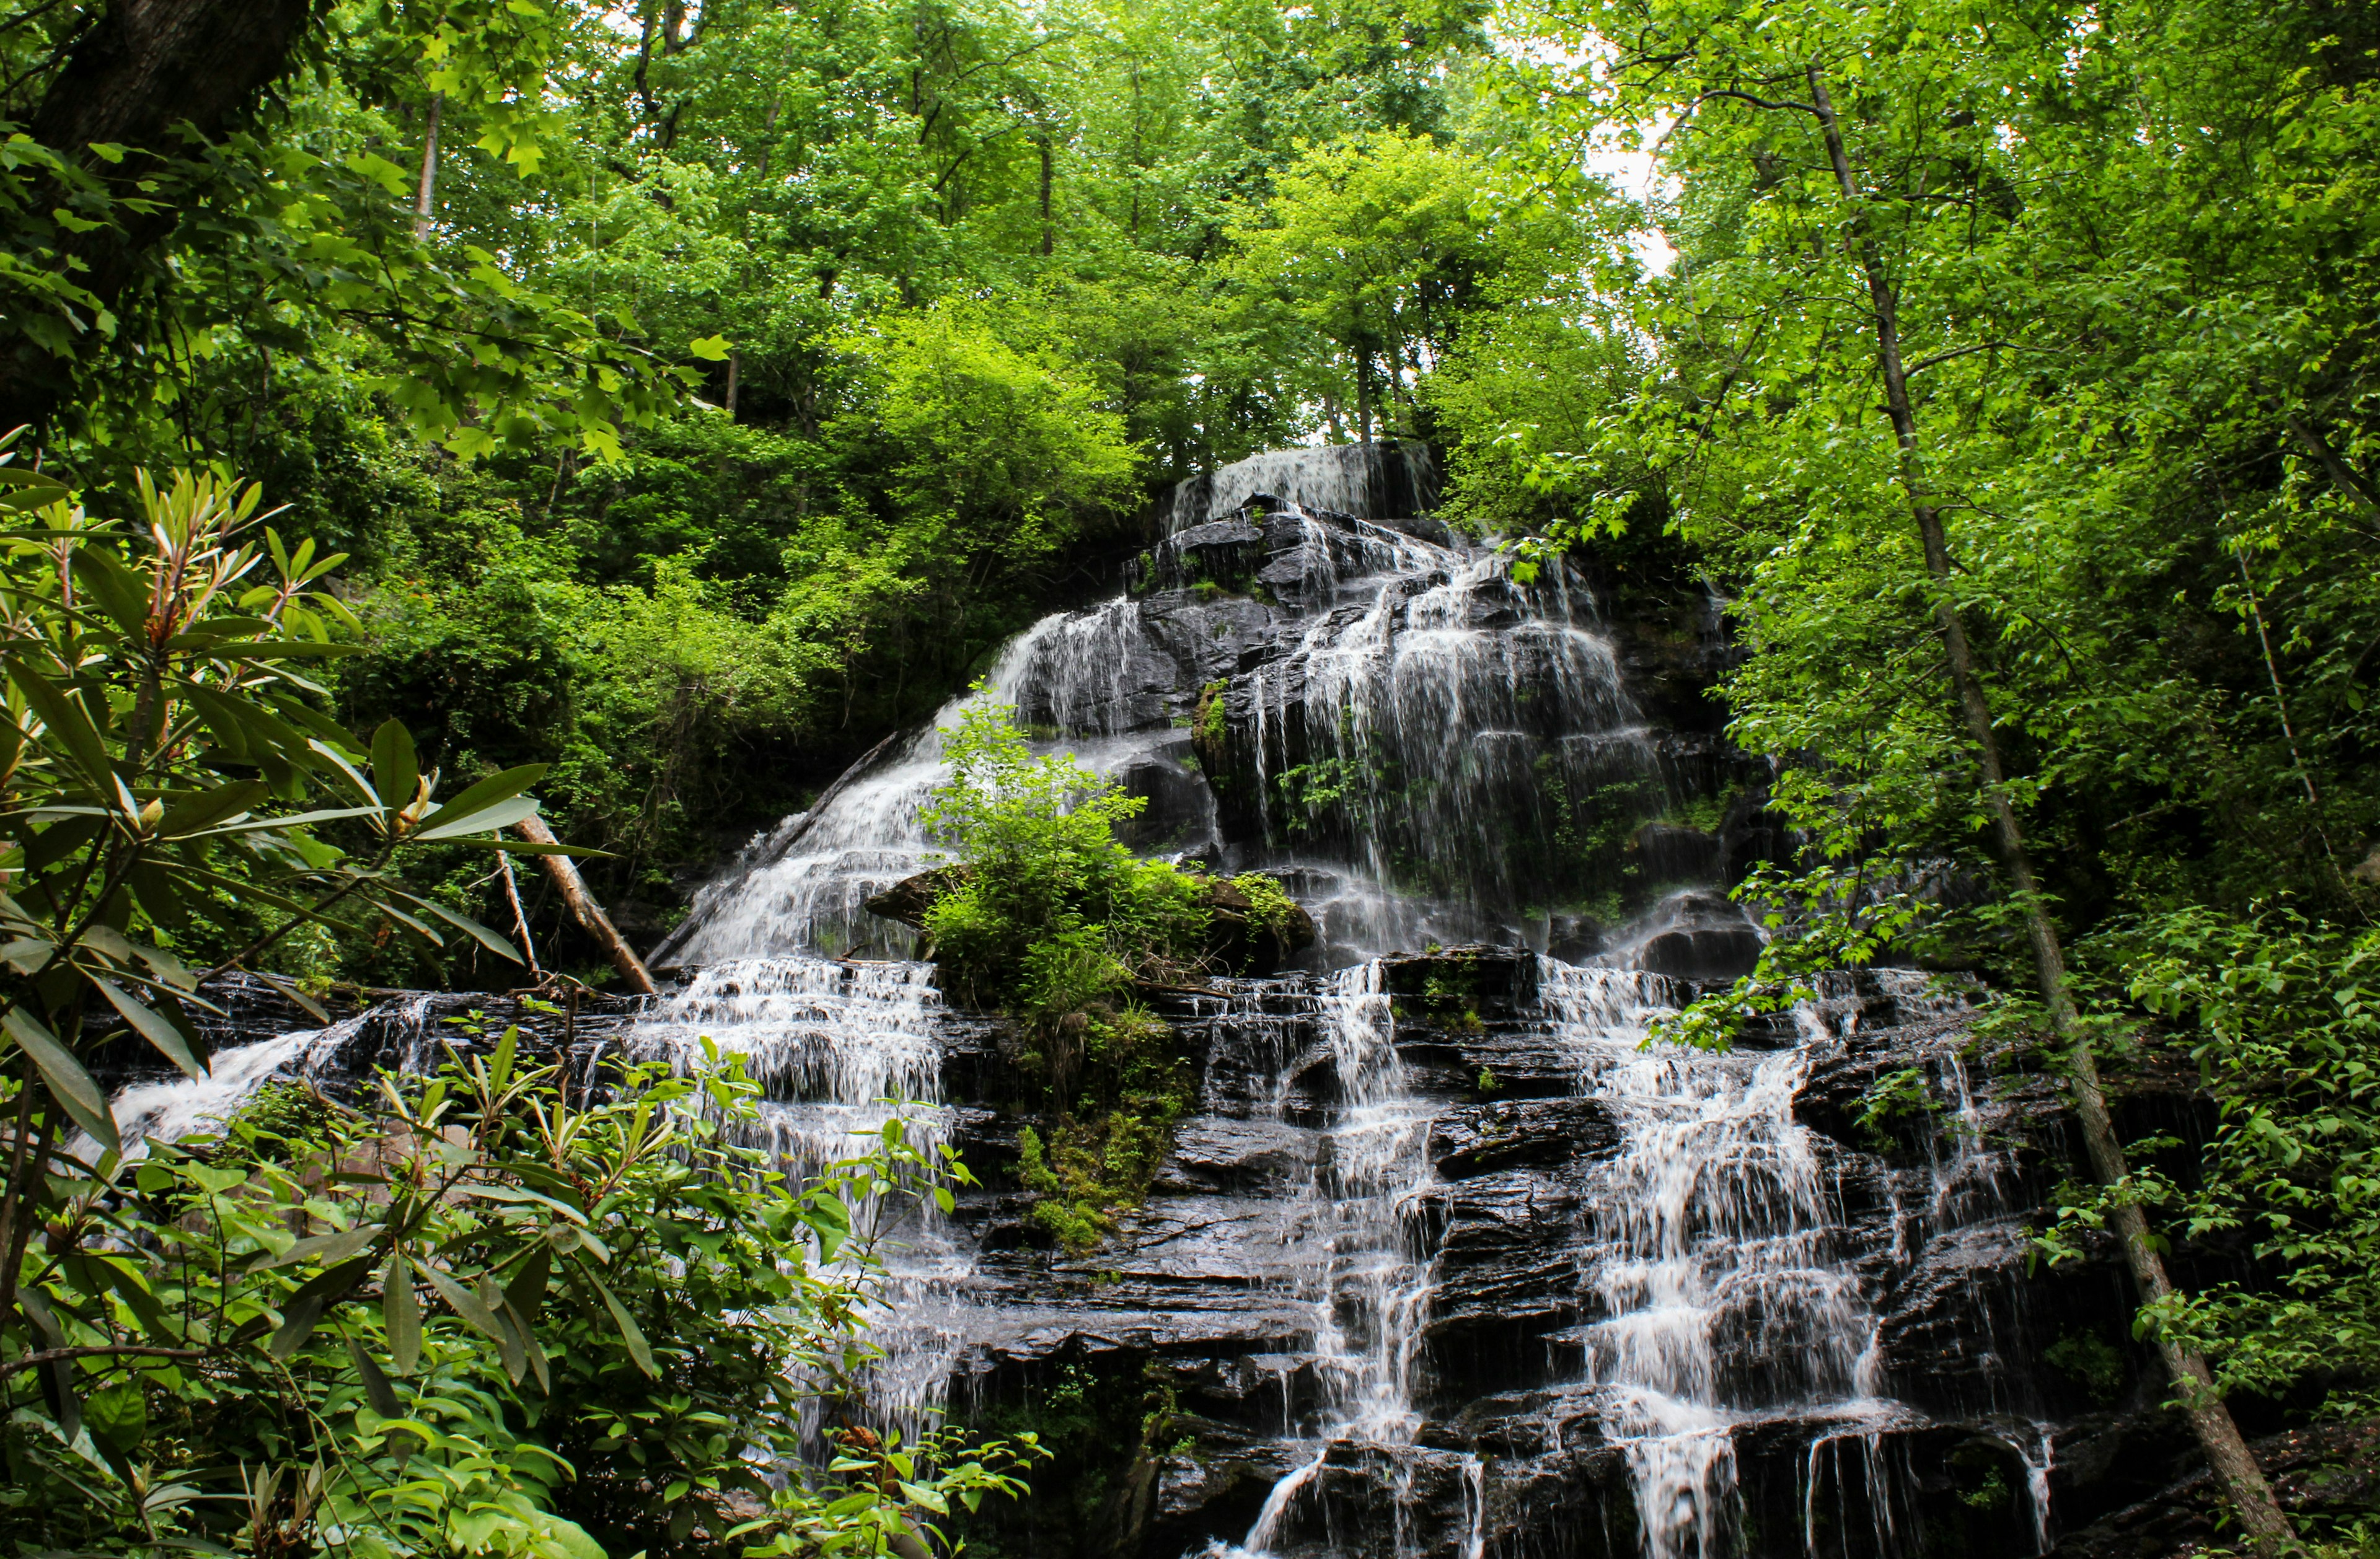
(426, 200)
(146, 68)
(588, 913)
(2226, 1453)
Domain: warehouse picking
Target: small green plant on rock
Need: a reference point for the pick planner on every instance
(1270, 911)
(1210, 723)
(2090, 1362)
(1893, 1101)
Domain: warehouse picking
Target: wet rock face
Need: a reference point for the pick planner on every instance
(2008, 1379)
(1996, 1368)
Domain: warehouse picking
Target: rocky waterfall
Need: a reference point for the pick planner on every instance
(1447, 1264)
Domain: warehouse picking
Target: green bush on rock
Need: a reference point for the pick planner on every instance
(1051, 912)
(1046, 916)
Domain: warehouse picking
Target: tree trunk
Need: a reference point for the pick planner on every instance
(588, 913)
(426, 200)
(2252, 1497)
(1363, 394)
(145, 68)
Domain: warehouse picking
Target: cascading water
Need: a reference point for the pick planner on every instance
(1708, 1255)
(1447, 1264)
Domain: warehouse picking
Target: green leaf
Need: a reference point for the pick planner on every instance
(500, 1065)
(104, 578)
(298, 1320)
(355, 776)
(710, 348)
(377, 1390)
(332, 1284)
(527, 1290)
(170, 1041)
(637, 1348)
(521, 1194)
(487, 819)
(283, 649)
(397, 771)
(511, 1342)
(160, 900)
(70, 1084)
(119, 1415)
(206, 808)
(486, 793)
(464, 1303)
(328, 1249)
(381, 171)
(487, 939)
(65, 720)
(400, 1314)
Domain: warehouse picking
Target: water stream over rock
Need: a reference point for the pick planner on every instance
(1447, 1263)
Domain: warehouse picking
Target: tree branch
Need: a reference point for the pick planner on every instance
(54, 1355)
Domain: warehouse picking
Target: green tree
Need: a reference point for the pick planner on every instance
(1895, 325)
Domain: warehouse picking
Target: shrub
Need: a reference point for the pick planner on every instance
(1055, 920)
(1052, 913)
(487, 1317)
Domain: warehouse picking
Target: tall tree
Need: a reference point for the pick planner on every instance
(1886, 339)
(135, 78)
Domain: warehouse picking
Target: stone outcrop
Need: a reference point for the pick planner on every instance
(2016, 1376)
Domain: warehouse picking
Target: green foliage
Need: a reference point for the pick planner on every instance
(1893, 1102)
(1210, 726)
(1822, 919)
(1054, 913)
(1270, 911)
(797, 360)
(1053, 917)
(1450, 995)
(2092, 1362)
(170, 787)
(2282, 1016)
(483, 1316)
(1097, 1419)
(1090, 1171)
(990, 449)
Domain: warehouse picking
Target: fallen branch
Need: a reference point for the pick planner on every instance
(588, 913)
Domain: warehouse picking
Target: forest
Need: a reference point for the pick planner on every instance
(421, 406)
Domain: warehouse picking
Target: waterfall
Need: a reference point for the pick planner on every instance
(1449, 1263)
(837, 1047)
(840, 1049)
(1353, 480)
(1708, 1256)
(175, 1106)
(1364, 1272)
